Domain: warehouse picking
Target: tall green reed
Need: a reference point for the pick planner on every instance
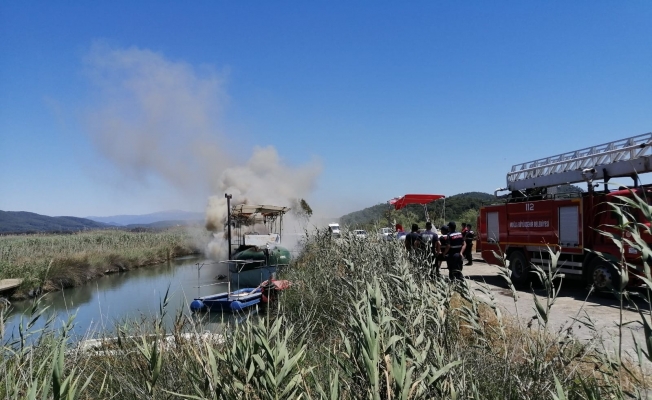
(362, 319)
(56, 261)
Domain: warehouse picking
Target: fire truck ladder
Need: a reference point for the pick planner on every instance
(625, 157)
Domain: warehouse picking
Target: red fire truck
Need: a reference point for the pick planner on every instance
(535, 215)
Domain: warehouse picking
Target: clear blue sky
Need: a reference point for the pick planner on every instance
(384, 98)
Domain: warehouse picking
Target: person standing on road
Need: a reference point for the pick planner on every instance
(468, 240)
(400, 233)
(443, 242)
(453, 252)
(430, 243)
(413, 240)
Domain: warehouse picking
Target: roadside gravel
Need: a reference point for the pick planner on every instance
(572, 303)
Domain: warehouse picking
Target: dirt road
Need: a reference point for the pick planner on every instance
(571, 303)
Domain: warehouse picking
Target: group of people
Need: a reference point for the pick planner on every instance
(450, 246)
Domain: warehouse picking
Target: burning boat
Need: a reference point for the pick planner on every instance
(254, 258)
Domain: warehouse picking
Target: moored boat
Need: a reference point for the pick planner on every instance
(240, 299)
(256, 257)
(229, 301)
(254, 265)
(9, 285)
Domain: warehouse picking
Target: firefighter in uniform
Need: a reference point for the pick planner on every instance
(469, 236)
(453, 252)
(443, 242)
(413, 239)
(430, 243)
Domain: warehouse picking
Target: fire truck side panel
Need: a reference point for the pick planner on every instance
(605, 217)
(530, 227)
(572, 224)
(478, 242)
(489, 232)
(530, 224)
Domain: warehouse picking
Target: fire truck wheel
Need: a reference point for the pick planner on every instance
(603, 275)
(519, 267)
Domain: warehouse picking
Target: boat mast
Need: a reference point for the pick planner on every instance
(228, 219)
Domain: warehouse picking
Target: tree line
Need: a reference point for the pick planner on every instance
(463, 207)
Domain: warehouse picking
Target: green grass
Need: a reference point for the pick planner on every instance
(360, 321)
(53, 261)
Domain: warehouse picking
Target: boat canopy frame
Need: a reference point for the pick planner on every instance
(242, 216)
(423, 199)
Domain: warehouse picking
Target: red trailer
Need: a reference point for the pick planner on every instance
(534, 216)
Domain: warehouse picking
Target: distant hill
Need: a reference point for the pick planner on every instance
(145, 219)
(163, 224)
(27, 222)
(460, 208)
(365, 216)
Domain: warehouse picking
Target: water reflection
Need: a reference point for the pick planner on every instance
(134, 296)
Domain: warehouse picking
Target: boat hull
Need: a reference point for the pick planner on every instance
(257, 265)
(252, 277)
(229, 301)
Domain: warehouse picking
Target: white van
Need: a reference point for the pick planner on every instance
(385, 233)
(334, 229)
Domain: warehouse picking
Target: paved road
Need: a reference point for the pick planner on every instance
(572, 299)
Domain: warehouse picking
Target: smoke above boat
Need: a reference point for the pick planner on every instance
(156, 120)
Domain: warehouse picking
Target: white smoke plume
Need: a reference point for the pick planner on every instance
(264, 179)
(156, 117)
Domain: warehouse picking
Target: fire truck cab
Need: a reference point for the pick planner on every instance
(533, 218)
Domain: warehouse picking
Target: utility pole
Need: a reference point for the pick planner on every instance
(228, 219)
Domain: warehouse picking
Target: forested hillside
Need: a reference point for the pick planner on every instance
(27, 222)
(461, 207)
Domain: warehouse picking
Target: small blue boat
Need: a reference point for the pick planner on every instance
(229, 301)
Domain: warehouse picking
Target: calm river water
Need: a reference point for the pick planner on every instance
(131, 295)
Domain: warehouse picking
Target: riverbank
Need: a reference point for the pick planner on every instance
(49, 262)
